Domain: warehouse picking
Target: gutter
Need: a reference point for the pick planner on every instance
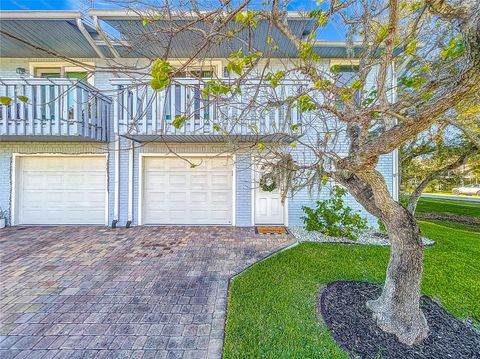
(175, 15)
(89, 38)
(130, 184)
(105, 37)
(39, 15)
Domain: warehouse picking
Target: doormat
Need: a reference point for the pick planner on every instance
(270, 230)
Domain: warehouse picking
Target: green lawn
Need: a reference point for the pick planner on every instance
(448, 206)
(271, 308)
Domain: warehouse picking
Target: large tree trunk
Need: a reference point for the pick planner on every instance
(397, 310)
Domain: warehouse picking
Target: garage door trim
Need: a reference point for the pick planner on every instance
(15, 176)
(186, 155)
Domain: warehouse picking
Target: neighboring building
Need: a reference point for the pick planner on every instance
(99, 152)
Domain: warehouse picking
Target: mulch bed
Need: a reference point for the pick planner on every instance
(472, 221)
(342, 306)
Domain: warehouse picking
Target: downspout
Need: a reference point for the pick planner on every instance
(104, 36)
(116, 164)
(89, 38)
(130, 184)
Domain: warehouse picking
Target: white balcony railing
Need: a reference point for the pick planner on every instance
(53, 107)
(141, 111)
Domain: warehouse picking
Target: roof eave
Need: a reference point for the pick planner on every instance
(132, 14)
(40, 15)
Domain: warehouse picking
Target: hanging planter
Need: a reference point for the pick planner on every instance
(267, 183)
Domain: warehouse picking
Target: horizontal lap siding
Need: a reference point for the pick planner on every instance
(305, 198)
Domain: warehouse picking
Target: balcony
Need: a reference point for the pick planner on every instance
(143, 114)
(53, 110)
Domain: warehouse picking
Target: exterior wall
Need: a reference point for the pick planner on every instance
(119, 149)
(244, 190)
(305, 198)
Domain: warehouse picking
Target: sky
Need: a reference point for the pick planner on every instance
(41, 4)
(331, 32)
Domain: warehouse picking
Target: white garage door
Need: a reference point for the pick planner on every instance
(61, 190)
(175, 193)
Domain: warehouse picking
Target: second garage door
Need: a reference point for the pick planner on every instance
(176, 193)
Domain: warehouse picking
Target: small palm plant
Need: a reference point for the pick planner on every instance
(3, 217)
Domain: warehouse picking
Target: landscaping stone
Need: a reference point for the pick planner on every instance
(342, 307)
(369, 237)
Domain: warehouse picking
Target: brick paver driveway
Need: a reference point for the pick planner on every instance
(144, 292)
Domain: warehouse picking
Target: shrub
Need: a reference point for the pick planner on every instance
(333, 218)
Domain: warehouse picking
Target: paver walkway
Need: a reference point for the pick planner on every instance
(144, 292)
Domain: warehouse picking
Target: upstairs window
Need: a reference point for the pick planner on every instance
(60, 70)
(347, 74)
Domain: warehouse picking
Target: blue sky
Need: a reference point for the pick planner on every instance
(331, 33)
(41, 4)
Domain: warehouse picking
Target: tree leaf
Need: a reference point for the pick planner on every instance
(5, 100)
(179, 121)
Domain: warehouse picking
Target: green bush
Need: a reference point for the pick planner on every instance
(333, 218)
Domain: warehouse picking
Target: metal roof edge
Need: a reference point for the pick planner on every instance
(320, 43)
(39, 15)
(132, 14)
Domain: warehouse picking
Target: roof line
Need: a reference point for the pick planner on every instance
(336, 43)
(39, 15)
(178, 14)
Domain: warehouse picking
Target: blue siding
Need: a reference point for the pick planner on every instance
(305, 198)
(244, 190)
(5, 183)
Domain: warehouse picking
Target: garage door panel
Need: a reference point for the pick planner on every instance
(156, 180)
(220, 215)
(220, 180)
(219, 197)
(62, 190)
(33, 181)
(177, 180)
(199, 179)
(199, 195)
(177, 198)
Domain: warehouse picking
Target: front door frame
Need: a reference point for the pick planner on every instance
(253, 186)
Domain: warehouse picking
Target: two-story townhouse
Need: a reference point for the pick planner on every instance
(81, 145)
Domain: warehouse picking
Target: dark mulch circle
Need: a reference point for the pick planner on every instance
(342, 306)
(472, 221)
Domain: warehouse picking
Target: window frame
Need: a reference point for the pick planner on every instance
(63, 66)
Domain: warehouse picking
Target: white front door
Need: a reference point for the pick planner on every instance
(268, 205)
(61, 190)
(175, 193)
